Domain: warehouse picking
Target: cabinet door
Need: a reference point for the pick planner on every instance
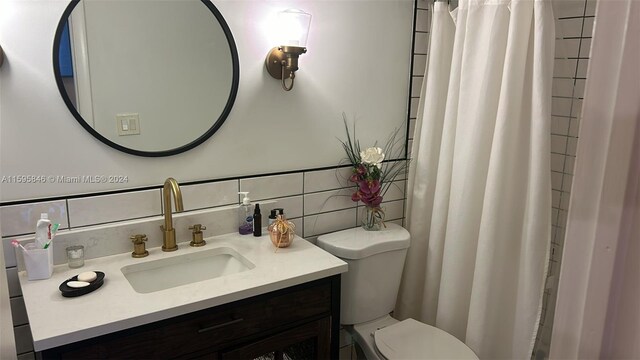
(308, 341)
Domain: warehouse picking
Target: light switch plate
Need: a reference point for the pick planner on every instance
(128, 124)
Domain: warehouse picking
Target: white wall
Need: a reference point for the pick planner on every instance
(358, 63)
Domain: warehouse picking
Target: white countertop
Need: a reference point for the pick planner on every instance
(56, 320)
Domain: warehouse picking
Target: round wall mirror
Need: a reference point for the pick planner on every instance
(147, 77)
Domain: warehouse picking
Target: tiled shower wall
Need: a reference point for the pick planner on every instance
(574, 28)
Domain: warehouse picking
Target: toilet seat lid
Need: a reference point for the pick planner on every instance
(410, 339)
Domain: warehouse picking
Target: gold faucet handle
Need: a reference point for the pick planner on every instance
(197, 228)
(196, 235)
(138, 238)
(138, 245)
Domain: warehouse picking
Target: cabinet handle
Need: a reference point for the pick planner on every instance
(209, 328)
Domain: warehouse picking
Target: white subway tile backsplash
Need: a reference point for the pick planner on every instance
(268, 187)
(328, 201)
(559, 235)
(21, 219)
(18, 311)
(13, 283)
(9, 253)
(579, 91)
(555, 198)
(562, 87)
(412, 128)
(564, 200)
(115, 207)
(345, 352)
(559, 125)
(557, 162)
(24, 342)
(299, 224)
(574, 127)
(583, 65)
(576, 109)
(422, 4)
(564, 68)
(587, 27)
(561, 107)
(567, 48)
(345, 338)
(421, 43)
(585, 48)
(567, 182)
(556, 180)
(422, 20)
(558, 144)
(330, 179)
(569, 28)
(419, 65)
(210, 194)
(414, 108)
(416, 86)
(572, 145)
(590, 9)
(569, 165)
(568, 8)
(393, 209)
(395, 191)
(329, 222)
(27, 356)
(292, 207)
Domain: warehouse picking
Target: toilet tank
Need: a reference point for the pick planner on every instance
(376, 260)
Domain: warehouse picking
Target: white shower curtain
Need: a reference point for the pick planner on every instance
(479, 193)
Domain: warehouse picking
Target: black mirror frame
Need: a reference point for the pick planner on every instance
(216, 125)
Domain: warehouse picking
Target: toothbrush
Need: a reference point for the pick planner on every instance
(16, 244)
(53, 232)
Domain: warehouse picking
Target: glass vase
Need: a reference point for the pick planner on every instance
(372, 218)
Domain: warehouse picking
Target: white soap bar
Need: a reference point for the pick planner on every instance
(77, 284)
(87, 276)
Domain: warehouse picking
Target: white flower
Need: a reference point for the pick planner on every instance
(372, 156)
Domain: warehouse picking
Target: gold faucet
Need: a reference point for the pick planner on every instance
(169, 233)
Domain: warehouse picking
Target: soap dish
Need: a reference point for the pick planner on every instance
(68, 291)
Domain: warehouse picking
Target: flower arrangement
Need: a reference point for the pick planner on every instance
(372, 175)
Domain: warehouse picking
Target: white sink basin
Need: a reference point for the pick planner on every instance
(185, 269)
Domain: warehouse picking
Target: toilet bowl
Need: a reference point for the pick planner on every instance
(368, 295)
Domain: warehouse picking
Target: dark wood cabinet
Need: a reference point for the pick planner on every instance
(300, 322)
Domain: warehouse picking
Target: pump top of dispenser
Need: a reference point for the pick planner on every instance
(245, 199)
(44, 216)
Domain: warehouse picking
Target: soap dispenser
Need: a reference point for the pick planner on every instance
(245, 215)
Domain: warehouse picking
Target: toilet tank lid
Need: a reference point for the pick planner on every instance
(358, 243)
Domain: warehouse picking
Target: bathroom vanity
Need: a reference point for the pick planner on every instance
(285, 301)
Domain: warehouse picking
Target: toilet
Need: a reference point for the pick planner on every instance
(368, 295)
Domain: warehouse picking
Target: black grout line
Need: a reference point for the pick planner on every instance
(577, 17)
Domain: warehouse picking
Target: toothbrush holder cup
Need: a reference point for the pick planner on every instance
(38, 262)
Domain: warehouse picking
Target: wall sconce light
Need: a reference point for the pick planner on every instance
(282, 61)
(1, 56)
